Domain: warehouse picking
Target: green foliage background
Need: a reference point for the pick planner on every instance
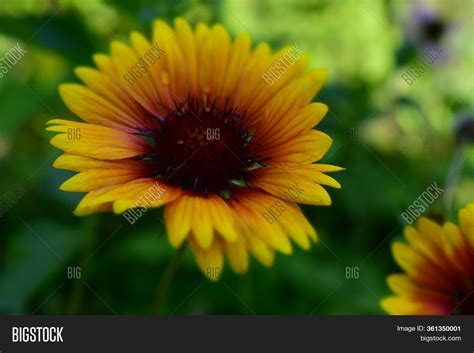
(394, 139)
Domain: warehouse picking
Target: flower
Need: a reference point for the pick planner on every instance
(428, 25)
(439, 265)
(190, 121)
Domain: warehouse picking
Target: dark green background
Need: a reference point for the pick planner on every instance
(394, 139)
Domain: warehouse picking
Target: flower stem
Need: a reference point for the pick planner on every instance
(166, 279)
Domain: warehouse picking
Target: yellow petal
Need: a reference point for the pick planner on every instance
(295, 188)
(95, 141)
(281, 113)
(134, 77)
(405, 306)
(178, 216)
(419, 241)
(258, 248)
(304, 149)
(418, 267)
(457, 248)
(239, 55)
(404, 286)
(187, 44)
(466, 222)
(96, 179)
(144, 192)
(237, 254)
(222, 218)
(173, 59)
(201, 222)
(261, 224)
(130, 112)
(81, 163)
(209, 260)
(294, 226)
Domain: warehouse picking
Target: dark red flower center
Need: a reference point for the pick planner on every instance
(201, 148)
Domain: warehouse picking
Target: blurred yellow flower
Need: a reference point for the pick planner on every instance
(220, 133)
(439, 265)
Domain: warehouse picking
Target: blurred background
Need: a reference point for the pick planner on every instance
(395, 134)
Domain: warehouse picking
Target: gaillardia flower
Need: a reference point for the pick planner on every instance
(190, 121)
(439, 265)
